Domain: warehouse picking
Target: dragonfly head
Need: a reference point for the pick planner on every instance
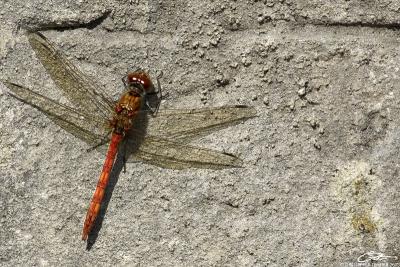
(140, 80)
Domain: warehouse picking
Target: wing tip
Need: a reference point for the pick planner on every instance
(12, 88)
(235, 162)
(7, 82)
(35, 35)
(244, 111)
(38, 39)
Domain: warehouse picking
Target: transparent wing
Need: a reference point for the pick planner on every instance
(187, 124)
(165, 146)
(173, 155)
(75, 85)
(91, 130)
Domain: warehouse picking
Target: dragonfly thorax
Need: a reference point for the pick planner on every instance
(126, 109)
(129, 101)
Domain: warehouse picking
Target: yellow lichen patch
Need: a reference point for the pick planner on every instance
(355, 188)
(363, 223)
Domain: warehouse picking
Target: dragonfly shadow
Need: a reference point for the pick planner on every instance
(136, 135)
(130, 145)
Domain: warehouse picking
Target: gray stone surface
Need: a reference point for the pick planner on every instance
(320, 182)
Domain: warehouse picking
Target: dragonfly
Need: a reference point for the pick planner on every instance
(131, 125)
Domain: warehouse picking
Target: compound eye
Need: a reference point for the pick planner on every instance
(142, 78)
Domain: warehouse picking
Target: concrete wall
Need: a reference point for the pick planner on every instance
(320, 179)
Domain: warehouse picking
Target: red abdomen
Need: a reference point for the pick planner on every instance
(98, 195)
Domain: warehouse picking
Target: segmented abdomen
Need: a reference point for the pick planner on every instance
(98, 196)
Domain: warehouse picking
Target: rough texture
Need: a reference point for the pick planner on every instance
(320, 182)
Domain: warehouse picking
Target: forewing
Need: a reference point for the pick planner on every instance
(174, 155)
(78, 88)
(187, 124)
(91, 130)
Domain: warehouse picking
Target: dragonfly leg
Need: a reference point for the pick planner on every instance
(159, 76)
(124, 162)
(159, 94)
(124, 82)
(153, 111)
